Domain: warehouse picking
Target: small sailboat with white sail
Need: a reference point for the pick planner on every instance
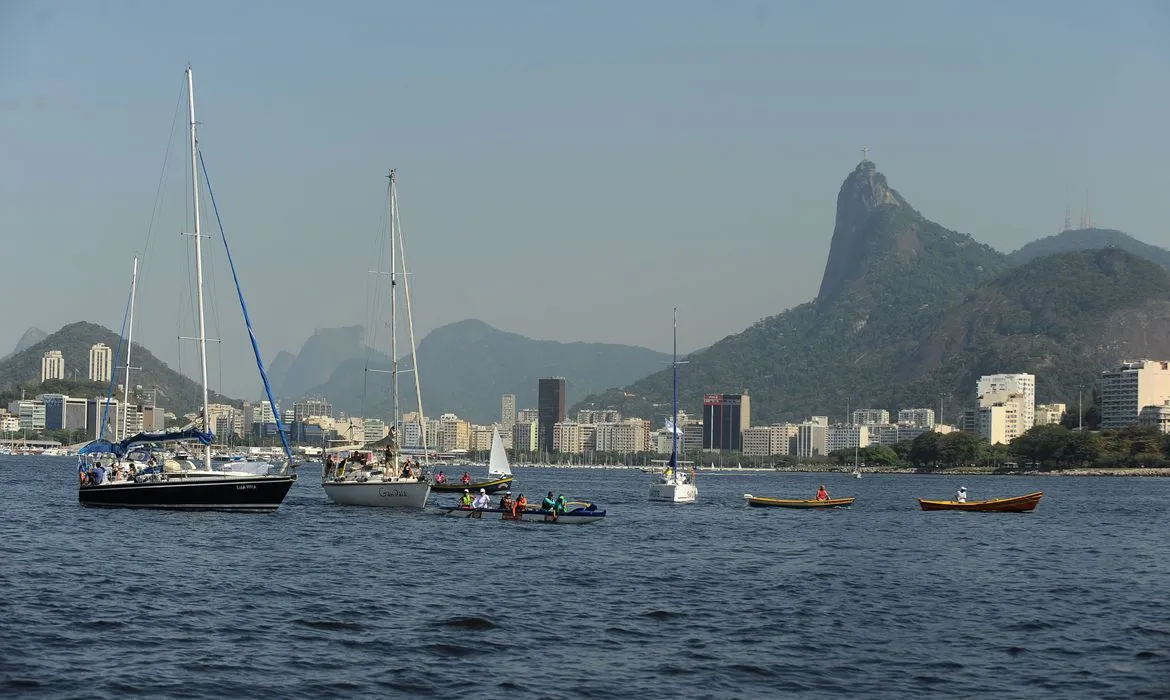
(674, 485)
(130, 473)
(383, 477)
(499, 473)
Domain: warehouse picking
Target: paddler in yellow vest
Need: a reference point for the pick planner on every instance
(465, 499)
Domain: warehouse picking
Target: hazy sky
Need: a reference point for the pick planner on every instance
(568, 170)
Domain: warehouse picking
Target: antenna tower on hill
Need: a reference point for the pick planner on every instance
(1067, 219)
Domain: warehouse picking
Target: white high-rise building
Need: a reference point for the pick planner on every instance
(1129, 388)
(52, 365)
(870, 416)
(916, 417)
(101, 363)
(508, 411)
(1017, 389)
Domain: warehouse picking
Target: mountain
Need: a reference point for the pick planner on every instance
(321, 355)
(31, 337)
(901, 305)
(278, 368)
(1061, 317)
(466, 366)
(1091, 239)
(177, 392)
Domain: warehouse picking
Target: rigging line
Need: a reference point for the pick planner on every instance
(162, 178)
(247, 320)
(374, 303)
(114, 374)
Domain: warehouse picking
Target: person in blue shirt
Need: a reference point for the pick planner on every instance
(547, 504)
(99, 474)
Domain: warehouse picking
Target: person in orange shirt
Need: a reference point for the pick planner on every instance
(517, 509)
(822, 494)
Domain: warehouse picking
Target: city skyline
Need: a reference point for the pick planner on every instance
(495, 169)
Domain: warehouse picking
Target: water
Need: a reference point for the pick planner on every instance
(706, 600)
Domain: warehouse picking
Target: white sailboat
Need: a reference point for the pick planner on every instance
(393, 482)
(674, 486)
(498, 466)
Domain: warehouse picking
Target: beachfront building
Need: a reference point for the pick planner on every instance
(1129, 388)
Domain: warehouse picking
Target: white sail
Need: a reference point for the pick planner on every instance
(498, 465)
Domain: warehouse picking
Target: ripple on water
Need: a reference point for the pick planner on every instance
(708, 600)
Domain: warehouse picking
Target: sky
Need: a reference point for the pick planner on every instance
(567, 170)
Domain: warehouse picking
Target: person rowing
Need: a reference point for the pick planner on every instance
(481, 502)
(518, 509)
(961, 494)
(548, 507)
(822, 494)
(465, 499)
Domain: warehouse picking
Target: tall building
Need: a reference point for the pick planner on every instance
(52, 365)
(1129, 388)
(916, 417)
(725, 417)
(524, 436)
(871, 416)
(508, 411)
(30, 413)
(1019, 389)
(550, 407)
(101, 363)
(568, 438)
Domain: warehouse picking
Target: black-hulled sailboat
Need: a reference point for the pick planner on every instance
(139, 471)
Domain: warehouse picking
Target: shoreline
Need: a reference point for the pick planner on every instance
(962, 471)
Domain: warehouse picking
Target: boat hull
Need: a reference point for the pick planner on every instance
(764, 502)
(228, 492)
(577, 516)
(1012, 504)
(379, 494)
(674, 493)
(493, 486)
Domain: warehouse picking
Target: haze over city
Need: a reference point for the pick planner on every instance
(567, 171)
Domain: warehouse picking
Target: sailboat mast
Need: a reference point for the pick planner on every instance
(129, 344)
(674, 425)
(410, 330)
(199, 261)
(391, 214)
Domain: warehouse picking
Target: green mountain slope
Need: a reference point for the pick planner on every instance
(910, 312)
(177, 393)
(466, 366)
(1091, 239)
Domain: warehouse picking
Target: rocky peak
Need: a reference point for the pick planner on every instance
(862, 194)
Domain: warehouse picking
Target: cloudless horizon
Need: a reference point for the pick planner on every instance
(567, 171)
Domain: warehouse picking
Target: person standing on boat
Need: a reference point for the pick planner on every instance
(465, 499)
(961, 494)
(822, 494)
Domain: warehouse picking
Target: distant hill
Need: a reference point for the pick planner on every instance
(910, 312)
(31, 337)
(1091, 239)
(177, 392)
(278, 368)
(320, 356)
(466, 366)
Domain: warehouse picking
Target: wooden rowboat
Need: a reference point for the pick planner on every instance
(1013, 504)
(492, 486)
(764, 502)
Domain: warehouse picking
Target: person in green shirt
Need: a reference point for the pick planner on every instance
(559, 505)
(465, 499)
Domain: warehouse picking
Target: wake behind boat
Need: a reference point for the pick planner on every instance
(109, 473)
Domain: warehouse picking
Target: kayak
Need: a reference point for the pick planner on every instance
(765, 502)
(1013, 504)
(576, 516)
(491, 486)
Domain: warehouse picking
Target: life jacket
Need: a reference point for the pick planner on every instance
(547, 503)
(519, 507)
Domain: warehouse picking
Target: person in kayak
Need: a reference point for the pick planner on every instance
(506, 504)
(822, 494)
(482, 501)
(465, 499)
(547, 504)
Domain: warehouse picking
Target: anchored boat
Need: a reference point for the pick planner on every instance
(1012, 504)
(765, 502)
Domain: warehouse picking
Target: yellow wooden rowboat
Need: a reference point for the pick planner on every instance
(765, 502)
(1012, 504)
